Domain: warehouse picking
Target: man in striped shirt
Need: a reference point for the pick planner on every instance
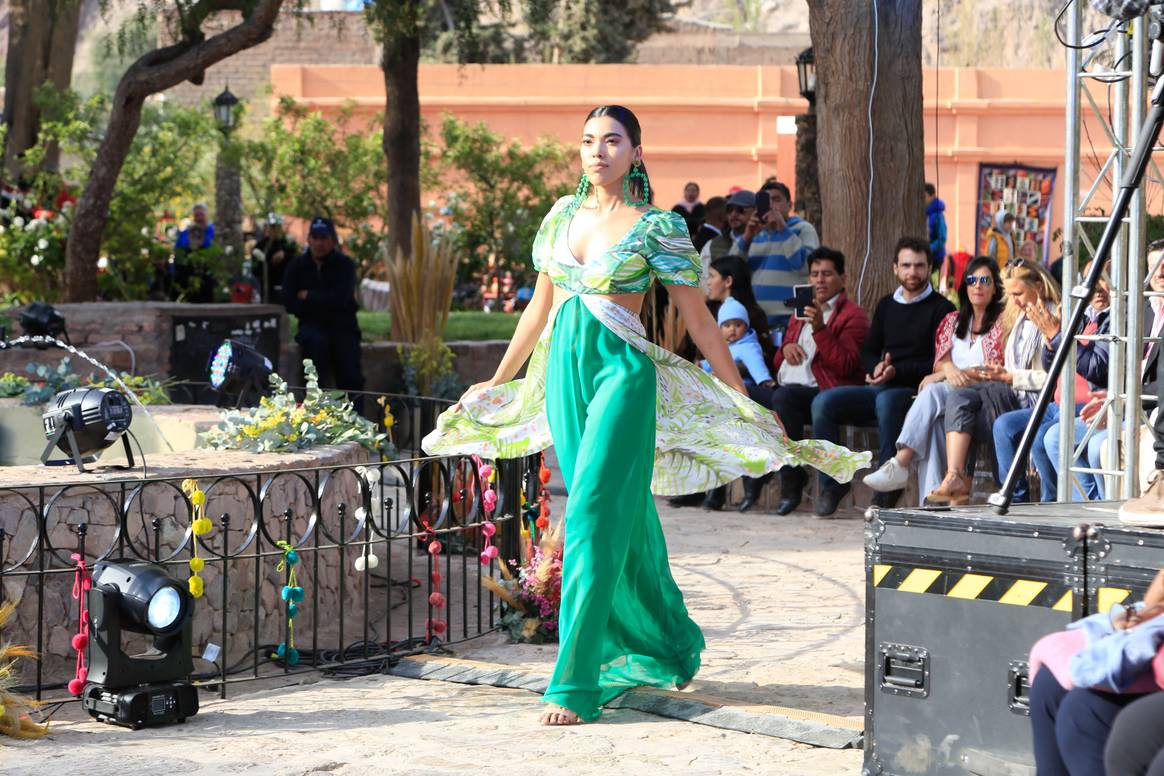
(777, 251)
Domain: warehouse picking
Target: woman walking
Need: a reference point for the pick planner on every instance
(625, 417)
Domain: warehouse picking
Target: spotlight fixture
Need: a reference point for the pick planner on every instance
(153, 688)
(40, 319)
(83, 422)
(236, 367)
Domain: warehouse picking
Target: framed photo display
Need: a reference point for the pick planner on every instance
(1025, 192)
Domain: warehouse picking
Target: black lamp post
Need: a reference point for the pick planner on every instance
(227, 181)
(807, 173)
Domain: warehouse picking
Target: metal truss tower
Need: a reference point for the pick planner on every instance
(1115, 61)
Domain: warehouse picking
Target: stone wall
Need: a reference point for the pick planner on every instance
(474, 362)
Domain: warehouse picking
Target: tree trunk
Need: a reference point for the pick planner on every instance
(152, 73)
(228, 205)
(842, 39)
(807, 170)
(402, 137)
(41, 45)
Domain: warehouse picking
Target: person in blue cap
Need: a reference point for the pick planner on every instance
(743, 344)
(319, 287)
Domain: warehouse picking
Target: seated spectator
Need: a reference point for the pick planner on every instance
(1080, 730)
(966, 340)
(741, 204)
(690, 208)
(730, 276)
(1091, 360)
(714, 223)
(190, 279)
(972, 410)
(820, 352)
(777, 250)
(897, 354)
(742, 344)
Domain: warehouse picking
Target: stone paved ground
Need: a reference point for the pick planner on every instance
(780, 601)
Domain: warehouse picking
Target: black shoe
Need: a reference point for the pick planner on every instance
(714, 499)
(788, 504)
(887, 500)
(753, 487)
(830, 499)
(689, 500)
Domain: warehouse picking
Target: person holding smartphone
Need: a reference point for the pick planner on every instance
(777, 245)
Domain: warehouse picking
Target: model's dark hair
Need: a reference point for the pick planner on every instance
(915, 244)
(824, 253)
(997, 301)
(634, 133)
(741, 274)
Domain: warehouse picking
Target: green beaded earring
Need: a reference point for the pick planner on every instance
(636, 171)
(580, 193)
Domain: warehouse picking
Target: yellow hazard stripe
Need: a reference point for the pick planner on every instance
(1064, 603)
(1022, 592)
(879, 572)
(919, 580)
(970, 586)
(1107, 597)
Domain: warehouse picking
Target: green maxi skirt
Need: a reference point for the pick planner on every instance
(622, 621)
(627, 419)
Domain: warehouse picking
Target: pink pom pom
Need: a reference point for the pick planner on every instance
(486, 471)
(484, 559)
(76, 686)
(491, 552)
(488, 529)
(83, 674)
(489, 499)
(80, 641)
(436, 577)
(438, 626)
(437, 600)
(434, 547)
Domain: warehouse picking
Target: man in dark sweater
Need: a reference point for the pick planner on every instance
(897, 354)
(320, 288)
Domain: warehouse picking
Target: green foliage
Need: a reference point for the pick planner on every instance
(280, 424)
(468, 325)
(47, 382)
(499, 193)
(167, 169)
(428, 370)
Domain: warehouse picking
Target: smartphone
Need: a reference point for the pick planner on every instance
(763, 204)
(802, 297)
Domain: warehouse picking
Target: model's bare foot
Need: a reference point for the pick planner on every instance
(558, 715)
(683, 686)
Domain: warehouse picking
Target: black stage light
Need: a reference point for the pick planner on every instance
(40, 319)
(152, 688)
(236, 367)
(83, 422)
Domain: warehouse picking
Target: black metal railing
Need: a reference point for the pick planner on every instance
(358, 613)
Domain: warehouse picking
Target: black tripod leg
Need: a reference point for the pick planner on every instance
(1141, 155)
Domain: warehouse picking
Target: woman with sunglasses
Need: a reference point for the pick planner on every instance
(1033, 300)
(966, 339)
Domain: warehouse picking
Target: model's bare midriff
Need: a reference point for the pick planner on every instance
(632, 302)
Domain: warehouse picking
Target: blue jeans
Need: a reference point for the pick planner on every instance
(1092, 485)
(1008, 430)
(861, 405)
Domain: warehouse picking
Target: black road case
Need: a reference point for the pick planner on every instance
(954, 600)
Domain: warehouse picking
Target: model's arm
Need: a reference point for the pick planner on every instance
(705, 334)
(529, 328)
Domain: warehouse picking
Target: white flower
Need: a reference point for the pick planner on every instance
(145, 231)
(42, 244)
(103, 262)
(34, 224)
(2, 229)
(35, 260)
(228, 250)
(171, 233)
(145, 251)
(18, 221)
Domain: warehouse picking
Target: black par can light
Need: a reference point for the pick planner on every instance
(152, 688)
(83, 422)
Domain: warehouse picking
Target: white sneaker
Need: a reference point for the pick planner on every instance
(1148, 509)
(890, 477)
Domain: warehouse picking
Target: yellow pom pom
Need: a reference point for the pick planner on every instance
(195, 586)
(198, 498)
(197, 564)
(202, 526)
(3, 710)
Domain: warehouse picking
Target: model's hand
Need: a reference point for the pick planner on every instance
(794, 354)
(472, 391)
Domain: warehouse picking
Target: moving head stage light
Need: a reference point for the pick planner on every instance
(148, 689)
(83, 422)
(236, 367)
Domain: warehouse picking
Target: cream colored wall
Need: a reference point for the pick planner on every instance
(717, 124)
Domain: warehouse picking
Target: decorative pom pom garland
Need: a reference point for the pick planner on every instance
(81, 584)
(293, 595)
(434, 625)
(200, 525)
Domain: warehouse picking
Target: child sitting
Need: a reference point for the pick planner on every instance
(743, 344)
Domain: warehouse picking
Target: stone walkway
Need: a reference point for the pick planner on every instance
(781, 604)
